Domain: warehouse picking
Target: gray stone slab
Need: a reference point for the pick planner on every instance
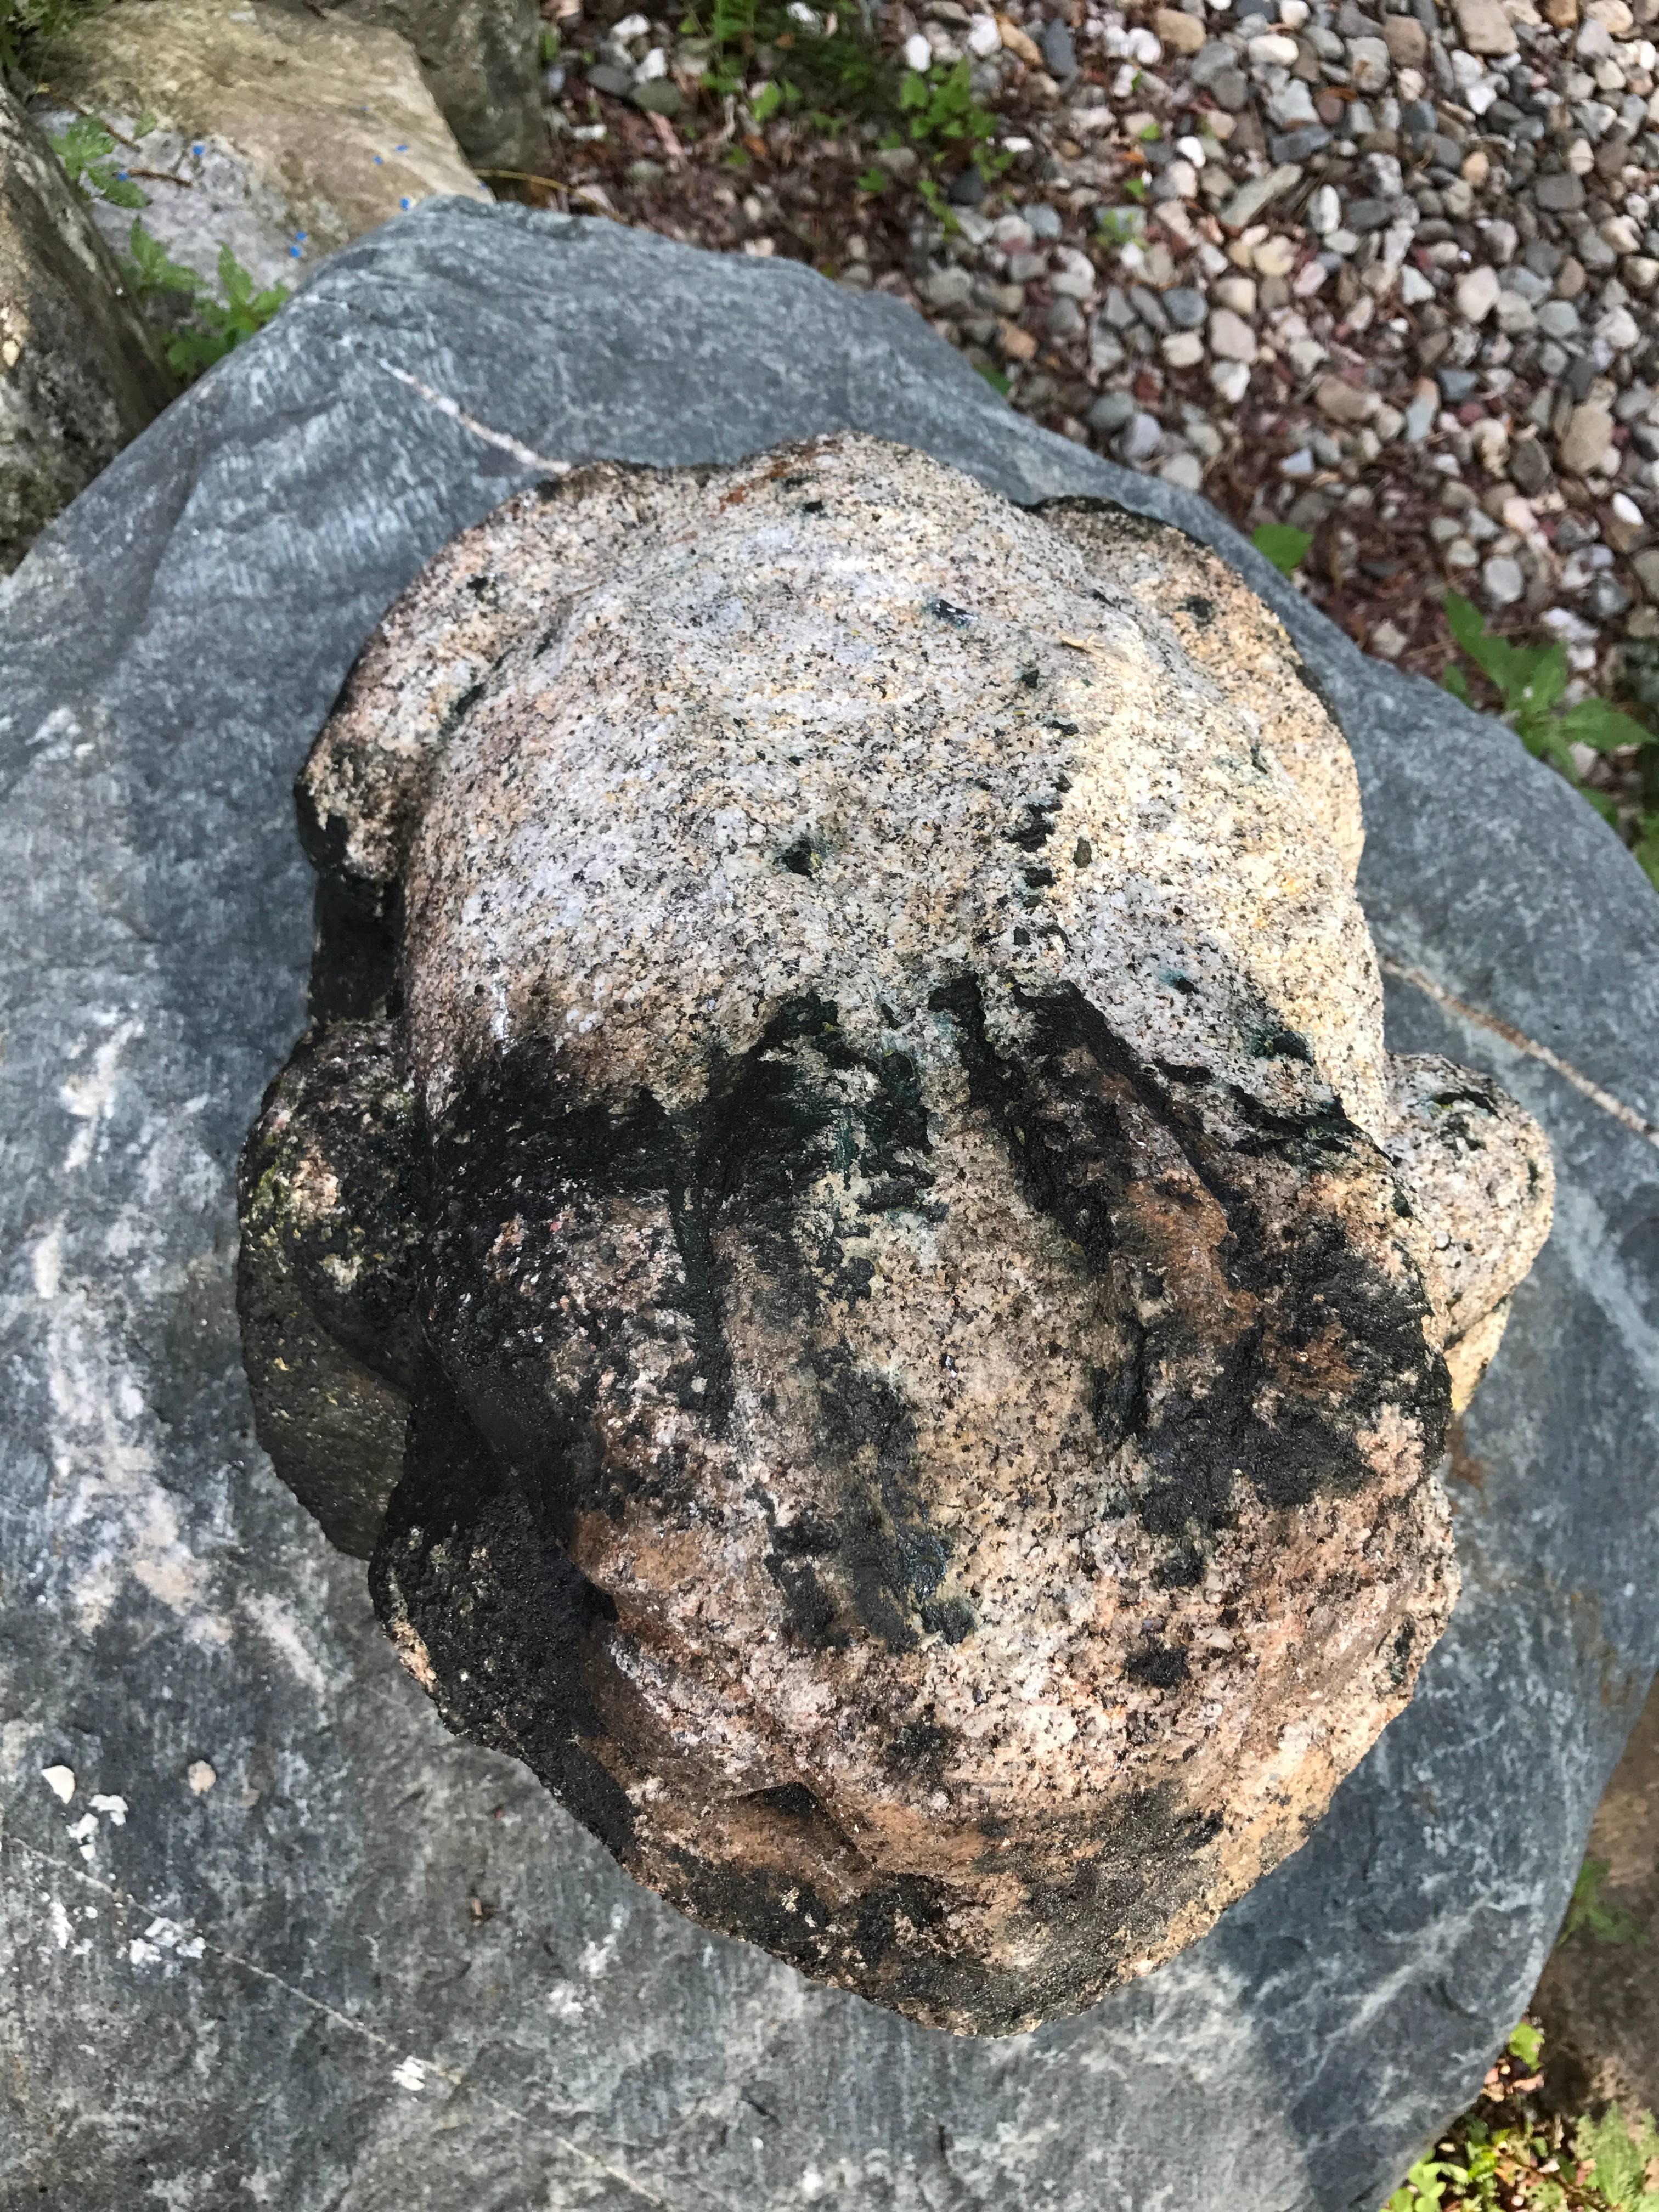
(375, 1967)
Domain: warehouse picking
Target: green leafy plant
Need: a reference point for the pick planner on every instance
(215, 326)
(87, 152)
(1510, 2153)
(1531, 682)
(1591, 1914)
(1526, 2043)
(943, 116)
(1286, 546)
(207, 326)
(840, 72)
(1119, 225)
(27, 28)
(1619, 2157)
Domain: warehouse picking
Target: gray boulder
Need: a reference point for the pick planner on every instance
(80, 370)
(481, 59)
(265, 1927)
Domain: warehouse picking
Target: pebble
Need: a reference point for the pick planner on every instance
(1182, 33)
(1588, 435)
(1503, 580)
(1428, 234)
(1477, 294)
(1110, 412)
(1142, 436)
(1231, 337)
(1560, 193)
(1186, 307)
(1344, 402)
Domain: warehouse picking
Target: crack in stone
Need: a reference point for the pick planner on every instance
(1496, 1026)
(127, 1901)
(526, 456)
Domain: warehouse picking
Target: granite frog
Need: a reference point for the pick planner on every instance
(844, 1234)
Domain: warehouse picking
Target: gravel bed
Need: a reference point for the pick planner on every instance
(1386, 277)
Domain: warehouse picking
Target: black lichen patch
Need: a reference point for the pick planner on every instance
(1158, 1665)
(1262, 1370)
(891, 1557)
(505, 1621)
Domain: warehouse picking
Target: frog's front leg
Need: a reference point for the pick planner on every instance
(332, 1208)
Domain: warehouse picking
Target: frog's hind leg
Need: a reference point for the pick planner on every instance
(1477, 1172)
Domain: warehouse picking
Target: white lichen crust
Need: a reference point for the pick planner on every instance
(933, 1298)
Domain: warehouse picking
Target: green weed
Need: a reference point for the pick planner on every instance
(88, 154)
(211, 326)
(1619, 2157)
(27, 28)
(1589, 1911)
(1531, 681)
(1284, 545)
(1118, 226)
(944, 120)
(215, 326)
(1508, 2154)
(843, 76)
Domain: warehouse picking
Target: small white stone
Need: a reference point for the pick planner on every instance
(1231, 337)
(1369, 63)
(1414, 288)
(1619, 329)
(654, 65)
(1324, 210)
(1306, 355)
(1503, 581)
(1231, 381)
(1271, 51)
(114, 1810)
(918, 54)
(983, 37)
(1237, 292)
(200, 1776)
(1387, 642)
(60, 1780)
(1185, 470)
(1274, 257)
(1292, 106)
(1477, 294)
(630, 28)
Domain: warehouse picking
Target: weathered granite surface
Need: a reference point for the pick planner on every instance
(274, 133)
(482, 59)
(80, 370)
(369, 1965)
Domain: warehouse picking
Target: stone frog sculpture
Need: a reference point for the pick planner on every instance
(843, 1233)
